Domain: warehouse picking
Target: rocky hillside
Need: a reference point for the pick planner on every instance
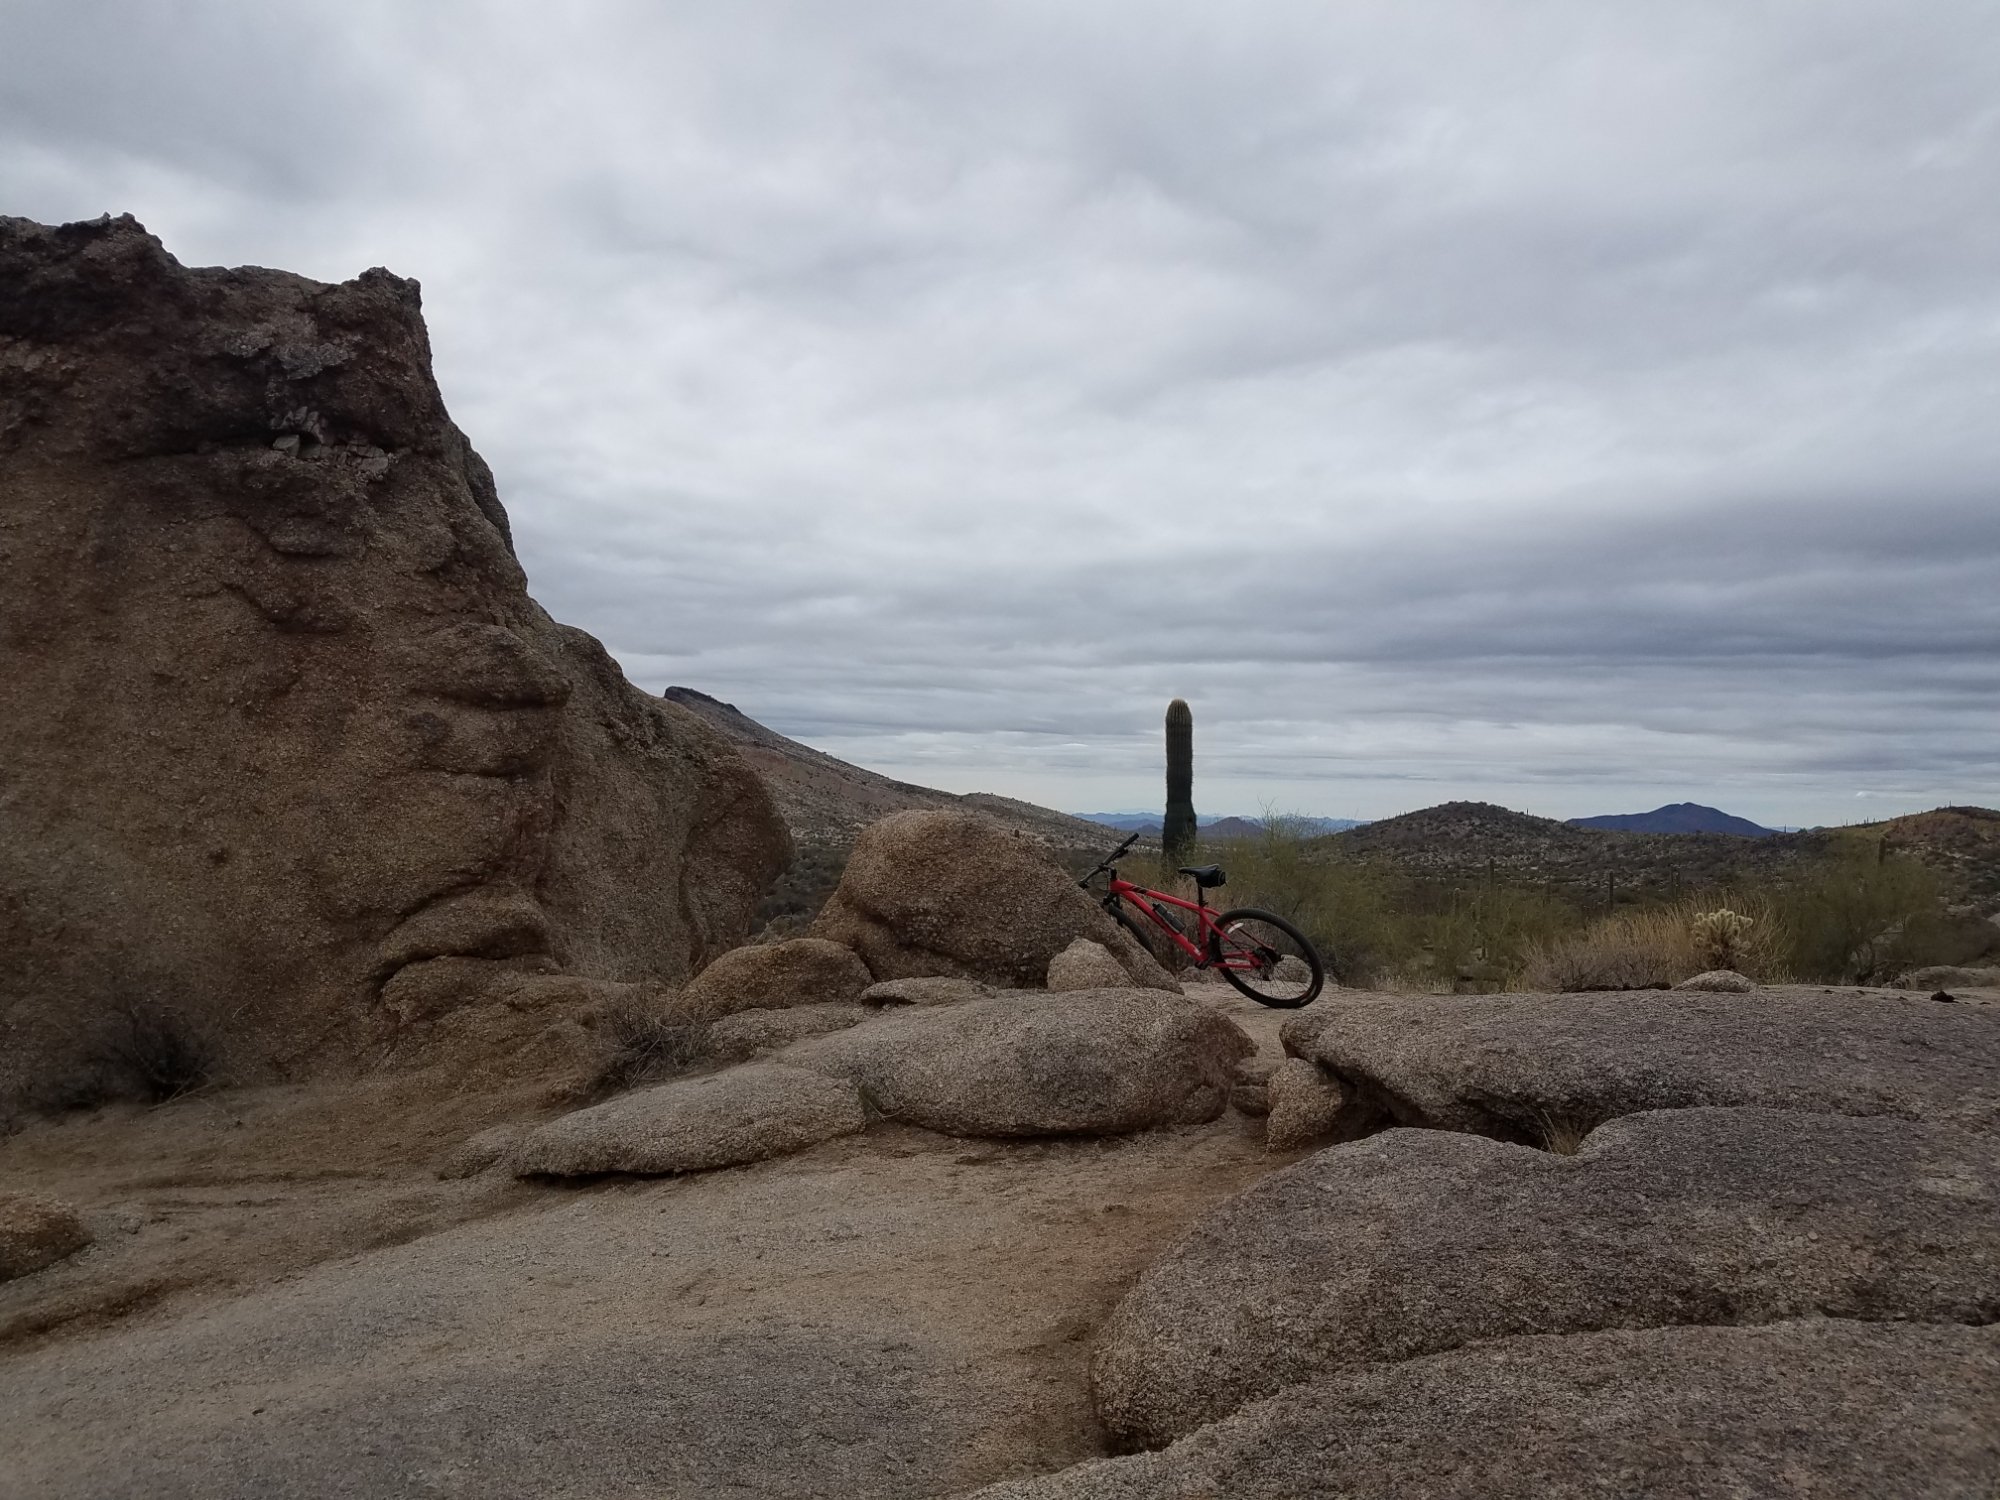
(292, 768)
(825, 801)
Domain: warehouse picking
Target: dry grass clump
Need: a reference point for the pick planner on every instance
(1656, 948)
(647, 1036)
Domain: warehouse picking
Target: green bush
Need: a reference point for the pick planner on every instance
(1864, 915)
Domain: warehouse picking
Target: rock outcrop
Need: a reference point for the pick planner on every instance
(1521, 1067)
(1816, 1407)
(1088, 1062)
(954, 894)
(1413, 1242)
(279, 722)
(694, 1124)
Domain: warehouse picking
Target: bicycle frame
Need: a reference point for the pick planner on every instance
(1149, 902)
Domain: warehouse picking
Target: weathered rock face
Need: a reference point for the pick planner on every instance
(940, 893)
(1868, 1411)
(1417, 1241)
(1518, 1067)
(1088, 1062)
(278, 719)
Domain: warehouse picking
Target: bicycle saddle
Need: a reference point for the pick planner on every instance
(1205, 876)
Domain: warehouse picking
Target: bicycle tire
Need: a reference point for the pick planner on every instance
(1279, 998)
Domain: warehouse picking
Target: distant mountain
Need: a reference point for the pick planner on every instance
(1233, 827)
(1676, 817)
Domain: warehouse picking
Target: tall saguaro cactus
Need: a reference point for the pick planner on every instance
(1178, 832)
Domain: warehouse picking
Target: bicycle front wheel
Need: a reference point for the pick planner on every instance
(1266, 957)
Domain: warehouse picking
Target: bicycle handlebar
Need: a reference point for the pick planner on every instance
(1109, 860)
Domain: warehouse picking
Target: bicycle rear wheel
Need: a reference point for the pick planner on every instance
(1266, 957)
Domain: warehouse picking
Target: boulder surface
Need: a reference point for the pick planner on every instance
(1863, 1411)
(1516, 1066)
(1415, 1241)
(938, 892)
(771, 976)
(1085, 965)
(694, 1124)
(1087, 1062)
(279, 719)
(758, 1033)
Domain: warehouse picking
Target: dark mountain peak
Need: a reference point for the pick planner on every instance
(1675, 817)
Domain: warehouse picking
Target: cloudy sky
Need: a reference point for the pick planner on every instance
(1575, 405)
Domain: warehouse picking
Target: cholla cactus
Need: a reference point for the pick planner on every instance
(1723, 938)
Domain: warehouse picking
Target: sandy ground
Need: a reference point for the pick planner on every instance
(284, 1301)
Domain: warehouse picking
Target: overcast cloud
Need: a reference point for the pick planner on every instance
(1579, 406)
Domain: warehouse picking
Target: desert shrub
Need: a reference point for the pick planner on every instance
(1651, 946)
(789, 907)
(1863, 914)
(1628, 950)
(1486, 933)
(648, 1036)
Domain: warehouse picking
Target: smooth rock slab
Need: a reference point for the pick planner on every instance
(694, 1124)
(1027, 1062)
(1415, 1241)
(1815, 1408)
(1516, 1066)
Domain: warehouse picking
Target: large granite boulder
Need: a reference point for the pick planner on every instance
(1416, 1241)
(1527, 1067)
(724, 1119)
(937, 892)
(1862, 1411)
(278, 718)
(1086, 1062)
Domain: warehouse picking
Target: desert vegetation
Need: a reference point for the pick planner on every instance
(1858, 912)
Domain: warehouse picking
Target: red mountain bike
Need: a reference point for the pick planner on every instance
(1259, 952)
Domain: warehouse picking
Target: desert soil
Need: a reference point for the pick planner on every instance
(284, 1300)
